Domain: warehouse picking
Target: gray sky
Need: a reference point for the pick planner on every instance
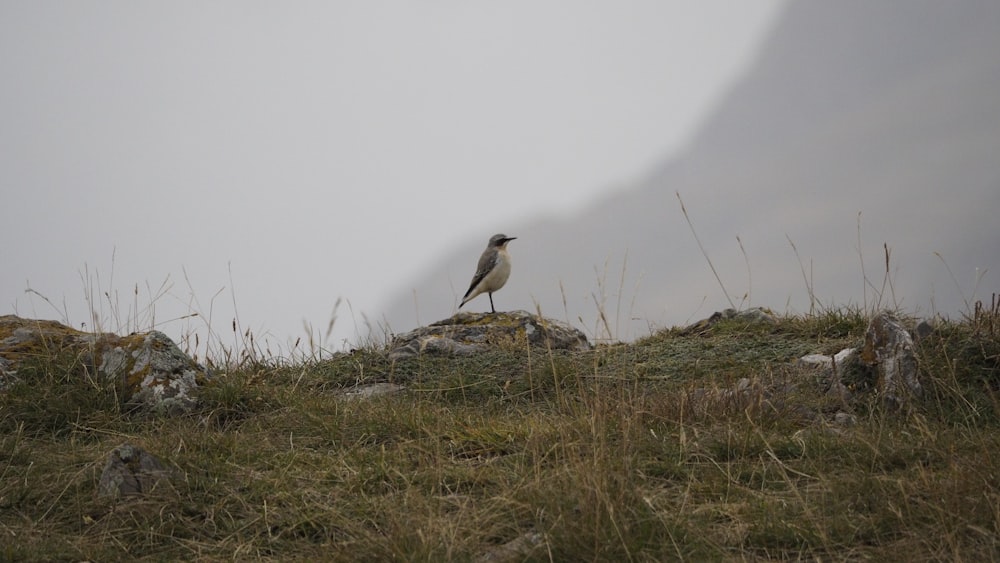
(282, 155)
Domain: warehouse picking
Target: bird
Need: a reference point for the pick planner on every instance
(492, 271)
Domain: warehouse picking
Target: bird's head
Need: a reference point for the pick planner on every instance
(500, 240)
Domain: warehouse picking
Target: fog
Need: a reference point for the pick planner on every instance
(192, 167)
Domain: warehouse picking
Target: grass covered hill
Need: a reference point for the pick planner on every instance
(693, 446)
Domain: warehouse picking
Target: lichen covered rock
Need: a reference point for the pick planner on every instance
(153, 372)
(889, 349)
(470, 333)
(753, 315)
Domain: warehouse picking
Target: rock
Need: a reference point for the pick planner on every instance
(816, 361)
(742, 389)
(154, 373)
(129, 471)
(162, 376)
(889, 348)
(517, 549)
(831, 370)
(470, 333)
(924, 329)
(845, 419)
(753, 315)
(843, 357)
(370, 390)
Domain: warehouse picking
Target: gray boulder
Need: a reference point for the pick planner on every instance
(470, 333)
(889, 348)
(129, 471)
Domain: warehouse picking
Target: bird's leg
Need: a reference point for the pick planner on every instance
(491, 303)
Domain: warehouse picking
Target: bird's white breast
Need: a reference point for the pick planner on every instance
(498, 276)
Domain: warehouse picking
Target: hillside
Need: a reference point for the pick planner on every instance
(885, 113)
(699, 445)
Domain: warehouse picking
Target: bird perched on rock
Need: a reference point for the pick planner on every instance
(493, 270)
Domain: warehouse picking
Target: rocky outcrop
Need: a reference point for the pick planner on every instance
(470, 333)
(889, 349)
(753, 315)
(153, 372)
(129, 471)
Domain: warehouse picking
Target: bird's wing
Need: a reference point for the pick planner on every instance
(487, 262)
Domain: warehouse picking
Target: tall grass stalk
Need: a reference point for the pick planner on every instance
(806, 278)
(703, 252)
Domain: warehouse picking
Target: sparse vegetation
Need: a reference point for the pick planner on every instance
(632, 452)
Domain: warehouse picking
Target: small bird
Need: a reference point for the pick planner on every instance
(493, 270)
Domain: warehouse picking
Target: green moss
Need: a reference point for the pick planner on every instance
(58, 393)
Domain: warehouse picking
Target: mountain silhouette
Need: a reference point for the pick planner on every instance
(861, 126)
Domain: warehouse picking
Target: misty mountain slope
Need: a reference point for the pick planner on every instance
(825, 59)
(888, 109)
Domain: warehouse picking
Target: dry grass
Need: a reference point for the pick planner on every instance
(640, 452)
